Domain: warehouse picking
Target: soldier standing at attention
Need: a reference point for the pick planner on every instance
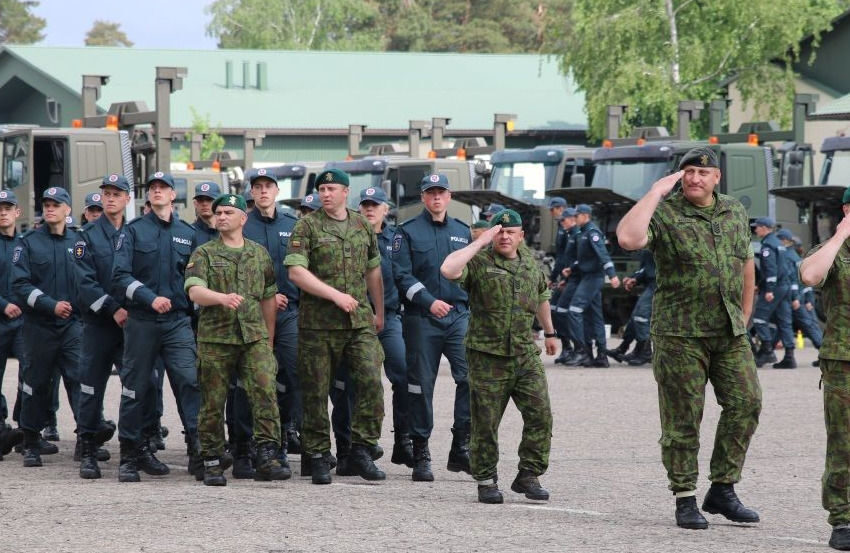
(507, 290)
(205, 194)
(706, 282)
(333, 258)
(150, 258)
(43, 279)
(436, 315)
(827, 267)
(233, 281)
(773, 299)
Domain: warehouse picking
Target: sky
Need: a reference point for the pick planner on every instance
(178, 24)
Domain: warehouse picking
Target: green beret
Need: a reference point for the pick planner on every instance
(230, 200)
(699, 157)
(845, 199)
(332, 176)
(506, 218)
(481, 224)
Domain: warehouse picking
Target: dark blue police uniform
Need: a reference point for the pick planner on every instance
(775, 277)
(642, 312)
(11, 336)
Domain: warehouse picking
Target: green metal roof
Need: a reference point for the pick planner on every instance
(836, 110)
(329, 90)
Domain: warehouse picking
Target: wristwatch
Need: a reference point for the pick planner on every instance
(552, 335)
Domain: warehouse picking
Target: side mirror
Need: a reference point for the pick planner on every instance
(14, 174)
(795, 174)
(577, 180)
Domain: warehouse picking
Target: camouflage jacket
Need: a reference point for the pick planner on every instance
(248, 272)
(503, 298)
(835, 299)
(699, 257)
(340, 261)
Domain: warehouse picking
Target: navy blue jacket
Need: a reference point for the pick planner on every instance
(571, 251)
(7, 247)
(203, 232)
(94, 272)
(273, 234)
(150, 259)
(385, 244)
(772, 267)
(43, 273)
(592, 254)
(646, 273)
(420, 246)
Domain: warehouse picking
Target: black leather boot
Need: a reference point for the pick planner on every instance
(243, 463)
(601, 359)
(319, 470)
(293, 441)
(840, 538)
(104, 433)
(195, 466)
(489, 493)
(582, 356)
(642, 354)
(9, 438)
(721, 499)
(363, 465)
(50, 433)
(147, 462)
(421, 461)
(788, 362)
(765, 354)
(619, 353)
(566, 352)
(31, 449)
(459, 453)
(213, 473)
(527, 483)
(344, 465)
(268, 466)
(128, 469)
(402, 450)
(687, 514)
(88, 458)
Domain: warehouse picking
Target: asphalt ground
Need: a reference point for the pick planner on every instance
(609, 490)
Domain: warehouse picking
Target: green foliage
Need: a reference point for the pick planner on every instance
(107, 33)
(17, 24)
(212, 142)
(625, 52)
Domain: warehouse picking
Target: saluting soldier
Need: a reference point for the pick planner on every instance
(706, 282)
(828, 267)
(507, 290)
(333, 258)
(233, 281)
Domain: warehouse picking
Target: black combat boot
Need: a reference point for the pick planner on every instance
(88, 457)
(421, 461)
(44, 447)
(575, 351)
(642, 354)
(9, 438)
(722, 500)
(601, 359)
(489, 492)
(195, 466)
(363, 465)
(459, 453)
(527, 483)
(157, 438)
(566, 352)
(147, 462)
(243, 465)
(306, 465)
(582, 356)
(268, 467)
(282, 458)
(213, 473)
(293, 441)
(104, 433)
(687, 514)
(840, 538)
(128, 469)
(765, 354)
(318, 468)
(788, 362)
(619, 353)
(402, 450)
(344, 465)
(50, 433)
(31, 450)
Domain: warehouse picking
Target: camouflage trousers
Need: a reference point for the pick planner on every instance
(320, 352)
(836, 411)
(255, 367)
(682, 366)
(493, 380)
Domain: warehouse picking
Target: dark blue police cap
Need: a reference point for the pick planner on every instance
(117, 181)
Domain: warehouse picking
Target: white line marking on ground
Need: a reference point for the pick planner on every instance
(799, 540)
(561, 509)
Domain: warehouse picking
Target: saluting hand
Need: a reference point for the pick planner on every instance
(161, 304)
(231, 301)
(63, 309)
(487, 236)
(346, 302)
(665, 184)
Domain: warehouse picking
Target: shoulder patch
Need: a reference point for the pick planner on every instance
(397, 242)
(595, 237)
(16, 254)
(79, 249)
(120, 242)
(765, 252)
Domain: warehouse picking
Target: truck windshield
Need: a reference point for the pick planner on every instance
(523, 181)
(629, 178)
(288, 188)
(359, 182)
(836, 169)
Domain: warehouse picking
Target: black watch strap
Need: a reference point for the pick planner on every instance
(553, 335)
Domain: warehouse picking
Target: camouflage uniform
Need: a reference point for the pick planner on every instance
(234, 338)
(699, 333)
(339, 253)
(504, 361)
(835, 372)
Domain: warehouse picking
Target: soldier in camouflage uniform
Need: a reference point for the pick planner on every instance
(506, 290)
(828, 267)
(233, 281)
(333, 257)
(706, 282)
